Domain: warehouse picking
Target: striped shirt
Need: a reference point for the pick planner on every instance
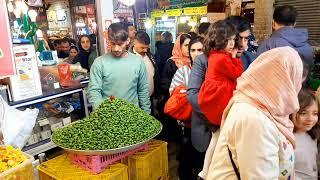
(181, 77)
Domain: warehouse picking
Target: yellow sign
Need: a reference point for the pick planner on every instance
(195, 10)
(155, 14)
(202, 10)
(174, 12)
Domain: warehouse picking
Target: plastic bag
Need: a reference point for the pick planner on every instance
(16, 125)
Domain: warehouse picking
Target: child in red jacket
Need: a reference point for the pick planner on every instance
(222, 72)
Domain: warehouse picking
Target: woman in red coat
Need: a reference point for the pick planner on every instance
(222, 73)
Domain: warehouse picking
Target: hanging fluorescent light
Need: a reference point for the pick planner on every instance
(164, 17)
(148, 24)
(204, 19)
(183, 19)
(128, 2)
(192, 23)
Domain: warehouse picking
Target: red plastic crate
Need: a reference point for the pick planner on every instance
(97, 164)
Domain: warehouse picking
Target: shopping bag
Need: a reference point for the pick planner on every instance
(16, 126)
(178, 105)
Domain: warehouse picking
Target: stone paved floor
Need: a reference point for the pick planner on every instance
(173, 163)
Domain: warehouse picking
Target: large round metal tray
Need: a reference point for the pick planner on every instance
(108, 151)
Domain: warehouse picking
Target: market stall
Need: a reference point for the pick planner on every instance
(43, 106)
(177, 21)
(33, 77)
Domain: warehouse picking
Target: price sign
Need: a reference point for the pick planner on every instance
(174, 12)
(196, 10)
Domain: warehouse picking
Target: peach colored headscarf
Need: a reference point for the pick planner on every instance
(177, 55)
(272, 83)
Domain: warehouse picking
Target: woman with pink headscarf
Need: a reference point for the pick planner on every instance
(180, 57)
(256, 139)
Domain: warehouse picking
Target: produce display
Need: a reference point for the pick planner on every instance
(10, 158)
(114, 124)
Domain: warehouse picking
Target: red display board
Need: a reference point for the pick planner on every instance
(7, 67)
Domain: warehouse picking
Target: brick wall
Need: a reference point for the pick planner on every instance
(262, 15)
(263, 19)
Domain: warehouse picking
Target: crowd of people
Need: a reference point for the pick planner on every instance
(244, 113)
(73, 52)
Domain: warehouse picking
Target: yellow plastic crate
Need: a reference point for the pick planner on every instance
(61, 168)
(151, 164)
(23, 171)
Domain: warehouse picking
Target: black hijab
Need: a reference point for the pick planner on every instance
(83, 56)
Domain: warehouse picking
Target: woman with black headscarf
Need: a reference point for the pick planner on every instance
(87, 53)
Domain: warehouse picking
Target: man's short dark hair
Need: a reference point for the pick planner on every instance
(203, 28)
(167, 37)
(241, 23)
(65, 40)
(285, 15)
(192, 34)
(57, 42)
(73, 42)
(118, 32)
(142, 37)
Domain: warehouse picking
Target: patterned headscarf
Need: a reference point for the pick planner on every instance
(177, 55)
(272, 83)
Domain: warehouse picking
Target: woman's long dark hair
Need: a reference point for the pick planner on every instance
(197, 39)
(184, 37)
(306, 98)
(217, 36)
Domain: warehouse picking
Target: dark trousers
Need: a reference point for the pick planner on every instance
(190, 160)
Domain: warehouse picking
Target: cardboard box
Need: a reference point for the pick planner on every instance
(26, 84)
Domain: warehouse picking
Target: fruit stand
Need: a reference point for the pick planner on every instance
(114, 142)
(15, 164)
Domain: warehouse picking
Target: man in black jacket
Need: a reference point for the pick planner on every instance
(141, 47)
(164, 50)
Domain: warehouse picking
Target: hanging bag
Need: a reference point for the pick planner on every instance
(178, 105)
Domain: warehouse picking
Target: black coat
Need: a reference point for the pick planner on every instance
(168, 72)
(163, 53)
